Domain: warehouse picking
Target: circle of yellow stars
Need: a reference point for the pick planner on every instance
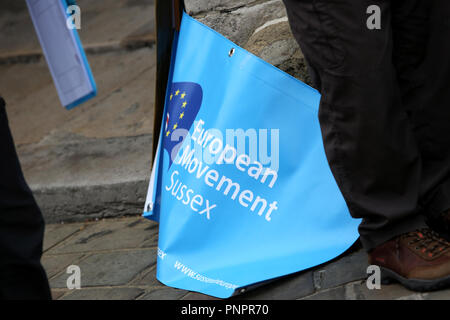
(182, 96)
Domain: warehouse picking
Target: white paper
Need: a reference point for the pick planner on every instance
(62, 51)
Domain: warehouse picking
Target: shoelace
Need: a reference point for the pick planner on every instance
(428, 242)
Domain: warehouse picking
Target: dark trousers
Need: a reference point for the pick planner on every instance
(21, 227)
(385, 107)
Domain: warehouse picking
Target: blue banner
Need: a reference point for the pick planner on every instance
(240, 185)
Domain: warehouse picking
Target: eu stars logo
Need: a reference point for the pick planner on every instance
(183, 105)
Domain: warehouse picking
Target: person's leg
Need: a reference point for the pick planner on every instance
(21, 227)
(430, 113)
(367, 135)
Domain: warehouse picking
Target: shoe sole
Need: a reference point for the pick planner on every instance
(420, 285)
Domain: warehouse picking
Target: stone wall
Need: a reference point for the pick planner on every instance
(259, 26)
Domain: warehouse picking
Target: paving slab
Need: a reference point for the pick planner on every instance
(437, 295)
(164, 293)
(111, 235)
(348, 268)
(110, 269)
(147, 278)
(330, 294)
(290, 287)
(358, 291)
(198, 296)
(55, 233)
(103, 294)
(57, 264)
(57, 294)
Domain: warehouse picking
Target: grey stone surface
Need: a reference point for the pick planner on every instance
(56, 264)
(55, 233)
(147, 278)
(274, 43)
(57, 294)
(358, 291)
(165, 293)
(290, 287)
(110, 269)
(123, 106)
(103, 294)
(101, 22)
(239, 24)
(195, 7)
(109, 20)
(111, 235)
(198, 296)
(347, 269)
(437, 295)
(71, 204)
(330, 294)
(78, 161)
(82, 178)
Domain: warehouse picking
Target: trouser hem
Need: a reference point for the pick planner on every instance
(440, 202)
(377, 237)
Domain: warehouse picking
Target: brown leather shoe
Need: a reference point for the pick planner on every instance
(419, 260)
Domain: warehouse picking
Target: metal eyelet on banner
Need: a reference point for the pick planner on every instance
(231, 53)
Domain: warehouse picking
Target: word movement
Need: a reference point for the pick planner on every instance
(212, 178)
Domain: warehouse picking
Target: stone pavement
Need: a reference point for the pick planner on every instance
(117, 260)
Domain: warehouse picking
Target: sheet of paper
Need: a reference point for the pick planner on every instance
(63, 51)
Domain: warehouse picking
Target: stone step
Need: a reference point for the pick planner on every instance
(92, 161)
(102, 22)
